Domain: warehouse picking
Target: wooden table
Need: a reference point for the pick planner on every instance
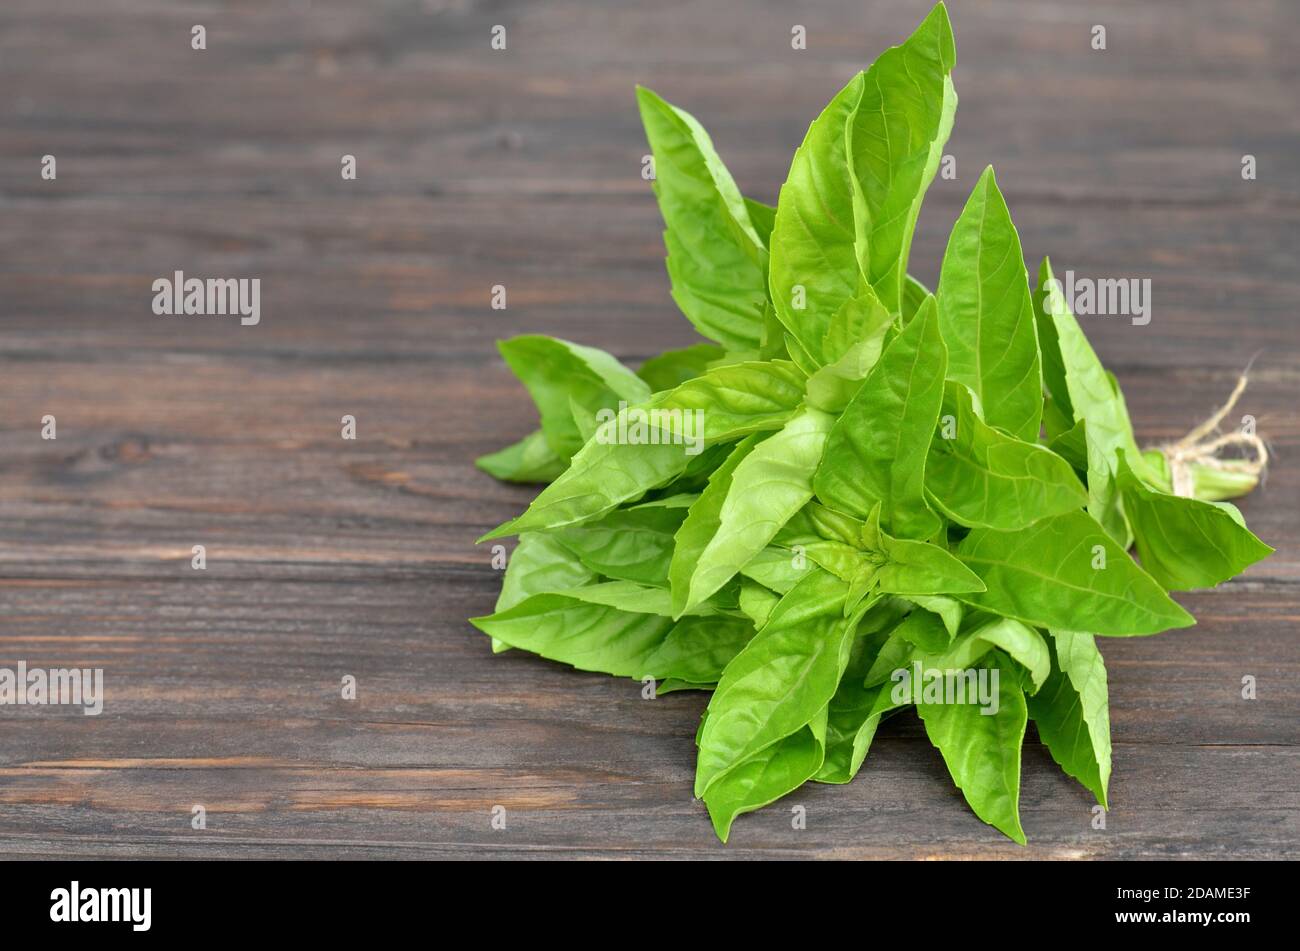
(328, 558)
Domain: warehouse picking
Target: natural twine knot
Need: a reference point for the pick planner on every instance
(1201, 448)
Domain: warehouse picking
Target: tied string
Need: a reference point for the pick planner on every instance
(1201, 447)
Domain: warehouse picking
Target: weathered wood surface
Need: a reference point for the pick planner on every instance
(328, 558)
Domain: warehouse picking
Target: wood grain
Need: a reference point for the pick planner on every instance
(328, 558)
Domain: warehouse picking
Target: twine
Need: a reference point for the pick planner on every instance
(1201, 448)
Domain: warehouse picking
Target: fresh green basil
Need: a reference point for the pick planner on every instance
(862, 496)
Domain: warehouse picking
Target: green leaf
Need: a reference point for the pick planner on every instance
(919, 568)
(1095, 399)
(1186, 543)
(537, 565)
(671, 685)
(949, 610)
(924, 631)
(733, 401)
(716, 260)
(848, 208)
(861, 320)
(987, 316)
(777, 569)
(914, 295)
(877, 449)
(1022, 643)
(982, 753)
(540, 564)
(982, 477)
(850, 728)
(585, 636)
(984, 632)
(851, 724)
(702, 523)
(1072, 446)
(672, 368)
(757, 601)
(781, 679)
(1061, 415)
(529, 460)
(853, 346)
(768, 486)
(895, 654)
(762, 217)
(633, 544)
(1072, 711)
(698, 649)
(559, 374)
(627, 596)
(766, 776)
(1064, 570)
(576, 629)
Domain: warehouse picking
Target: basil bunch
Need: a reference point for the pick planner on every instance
(859, 482)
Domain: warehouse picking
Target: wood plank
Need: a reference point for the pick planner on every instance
(329, 557)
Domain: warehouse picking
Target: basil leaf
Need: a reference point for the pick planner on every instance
(1072, 711)
(734, 401)
(586, 636)
(925, 632)
(768, 486)
(539, 564)
(1021, 643)
(877, 448)
(630, 544)
(853, 346)
(850, 728)
(716, 260)
(762, 217)
(848, 208)
(781, 679)
(702, 523)
(757, 602)
(1058, 411)
(895, 654)
(777, 569)
(672, 368)
(949, 610)
(698, 649)
(627, 596)
(982, 477)
(1018, 641)
(766, 776)
(1065, 569)
(671, 685)
(1072, 446)
(918, 568)
(851, 720)
(914, 295)
(1095, 399)
(987, 316)
(1186, 543)
(574, 628)
(982, 753)
(558, 374)
(529, 460)
(861, 320)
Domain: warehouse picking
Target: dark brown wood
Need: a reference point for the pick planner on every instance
(328, 558)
